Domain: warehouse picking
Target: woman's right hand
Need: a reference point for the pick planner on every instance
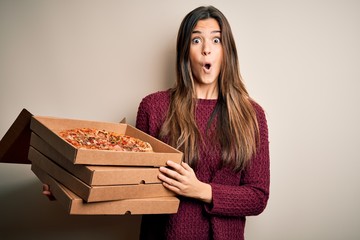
(47, 192)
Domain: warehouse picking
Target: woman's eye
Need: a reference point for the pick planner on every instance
(196, 40)
(217, 40)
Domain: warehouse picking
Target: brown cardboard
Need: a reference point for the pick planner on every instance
(96, 193)
(48, 127)
(74, 205)
(97, 175)
(14, 145)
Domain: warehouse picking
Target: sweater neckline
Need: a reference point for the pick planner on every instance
(202, 101)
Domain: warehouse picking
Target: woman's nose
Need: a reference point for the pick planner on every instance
(205, 52)
(206, 49)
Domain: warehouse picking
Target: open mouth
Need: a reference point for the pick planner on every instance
(207, 66)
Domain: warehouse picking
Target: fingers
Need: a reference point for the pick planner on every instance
(169, 176)
(176, 177)
(176, 171)
(186, 166)
(46, 187)
(181, 179)
(46, 191)
(172, 176)
(177, 167)
(172, 188)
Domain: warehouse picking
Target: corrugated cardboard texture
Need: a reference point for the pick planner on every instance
(14, 145)
(74, 205)
(98, 175)
(47, 129)
(96, 193)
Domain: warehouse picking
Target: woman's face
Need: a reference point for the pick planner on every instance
(206, 54)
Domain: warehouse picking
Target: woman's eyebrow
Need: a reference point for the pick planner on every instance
(213, 32)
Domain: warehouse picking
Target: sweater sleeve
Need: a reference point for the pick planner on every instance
(251, 195)
(151, 113)
(142, 117)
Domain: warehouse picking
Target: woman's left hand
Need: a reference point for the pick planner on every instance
(181, 179)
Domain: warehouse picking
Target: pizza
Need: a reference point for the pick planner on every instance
(91, 138)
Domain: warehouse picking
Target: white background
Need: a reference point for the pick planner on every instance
(96, 60)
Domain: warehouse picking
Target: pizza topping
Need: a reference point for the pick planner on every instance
(91, 138)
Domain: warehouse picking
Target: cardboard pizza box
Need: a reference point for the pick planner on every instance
(14, 145)
(98, 175)
(74, 205)
(96, 193)
(48, 128)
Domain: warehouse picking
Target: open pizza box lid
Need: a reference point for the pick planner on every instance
(14, 145)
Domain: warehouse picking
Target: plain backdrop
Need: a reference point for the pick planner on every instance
(96, 60)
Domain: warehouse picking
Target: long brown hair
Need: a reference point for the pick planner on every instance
(237, 128)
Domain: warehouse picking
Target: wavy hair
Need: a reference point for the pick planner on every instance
(237, 127)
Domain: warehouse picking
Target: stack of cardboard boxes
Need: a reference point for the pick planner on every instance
(87, 181)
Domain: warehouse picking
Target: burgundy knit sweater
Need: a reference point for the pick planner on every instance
(235, 195)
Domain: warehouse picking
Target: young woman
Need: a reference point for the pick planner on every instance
(210, 117)
(222, 132)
